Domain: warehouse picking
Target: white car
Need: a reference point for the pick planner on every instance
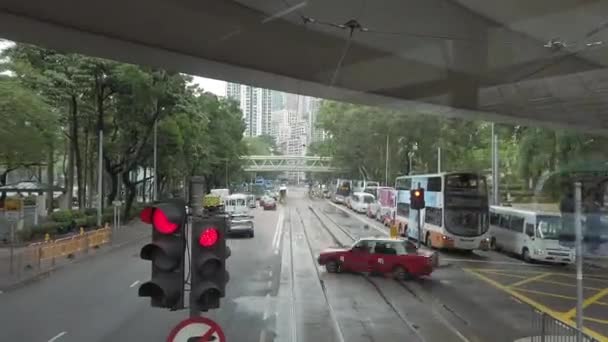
(360, 201)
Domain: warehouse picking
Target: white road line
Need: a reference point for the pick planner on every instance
(269, 284)
(263, 335)
(276, 240)
(134, 283)
(267, 308)
(58, 336)
(516, 300)
(270, 273)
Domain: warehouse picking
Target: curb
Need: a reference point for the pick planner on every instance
(47, 273)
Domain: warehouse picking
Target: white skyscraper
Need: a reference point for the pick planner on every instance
(256, 105)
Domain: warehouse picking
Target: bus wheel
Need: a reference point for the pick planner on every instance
(525, 254)
(493, 244)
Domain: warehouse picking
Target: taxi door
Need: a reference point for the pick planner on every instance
(359, 258)
(384, 257)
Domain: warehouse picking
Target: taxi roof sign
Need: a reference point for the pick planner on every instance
(211, 201)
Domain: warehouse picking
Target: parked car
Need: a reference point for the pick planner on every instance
(360, 201)
(397, 257)
(241, 225)
(270, 204)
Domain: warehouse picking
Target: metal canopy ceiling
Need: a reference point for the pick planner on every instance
(487, 59)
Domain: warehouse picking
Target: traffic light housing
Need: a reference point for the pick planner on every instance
(209, 254)
(417, 199)
(166, 251)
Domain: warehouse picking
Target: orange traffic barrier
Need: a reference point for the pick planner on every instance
(41, 251)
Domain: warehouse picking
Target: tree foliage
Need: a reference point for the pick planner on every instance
(47, 92)
(357, 139)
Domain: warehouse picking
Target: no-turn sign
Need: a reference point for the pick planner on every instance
(197, 329)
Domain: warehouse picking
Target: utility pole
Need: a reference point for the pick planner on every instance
(579, 258)
(438, 159)
(386, 166)
(155, 180)
(99, 178)
(495, 168)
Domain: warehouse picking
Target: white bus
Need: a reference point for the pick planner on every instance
(456, 213)
(532, 235)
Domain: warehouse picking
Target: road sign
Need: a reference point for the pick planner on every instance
(13, 207)
(197, 329)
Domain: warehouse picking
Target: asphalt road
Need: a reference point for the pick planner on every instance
(492, 295)
(96, 299)
(277, 292)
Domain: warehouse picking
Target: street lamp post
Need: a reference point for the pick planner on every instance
(386, 163)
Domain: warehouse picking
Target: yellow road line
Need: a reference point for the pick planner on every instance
(514, 293)
(536, 305)
(545, 281)
(530, 279)
(516, 271)
(549, 294)
(591, 300)
(596, 320)
(507, 274)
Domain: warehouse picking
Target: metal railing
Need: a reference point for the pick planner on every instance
(550, 329)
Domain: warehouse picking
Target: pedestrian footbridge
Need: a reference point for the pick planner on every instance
(260, 163)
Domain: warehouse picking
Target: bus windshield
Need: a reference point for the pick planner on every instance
(549, 227)
(466, 222)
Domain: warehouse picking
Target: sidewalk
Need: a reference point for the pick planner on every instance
(26, 268)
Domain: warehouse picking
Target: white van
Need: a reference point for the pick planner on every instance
(236, 204)
(532, 235)
(360, 201)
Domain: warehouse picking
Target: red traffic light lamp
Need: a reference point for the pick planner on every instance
(208, 237)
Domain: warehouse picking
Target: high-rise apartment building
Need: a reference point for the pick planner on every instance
(256, 105)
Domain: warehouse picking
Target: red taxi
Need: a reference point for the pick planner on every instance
(397, 257)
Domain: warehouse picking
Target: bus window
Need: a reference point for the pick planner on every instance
(549, 227)
(403, 209)
(403, 184)
(433, 216)
(494, 219)
(503, 221)
(434, 184)
(530, 229)
(466, 222)
(516, 224)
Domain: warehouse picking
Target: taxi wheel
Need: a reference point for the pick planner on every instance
(427, 240)
(332, 266)
(400, 273)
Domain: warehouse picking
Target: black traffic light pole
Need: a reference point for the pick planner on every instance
(196, 192)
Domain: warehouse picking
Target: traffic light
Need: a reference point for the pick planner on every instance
(417, 199)
(209, 254)
(166, 251)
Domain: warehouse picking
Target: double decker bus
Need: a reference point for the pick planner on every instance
(456, 214)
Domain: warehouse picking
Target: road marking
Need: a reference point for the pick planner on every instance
(270, 273)
(536, 305)
(276, 240)
(531, 279)
(591, 300)
(263, 335)
(596, 320)
(490, 262)
(269, 284)
(134, 283)
(516, 300)
(540, 280)
(267, 307)
(58, 336)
